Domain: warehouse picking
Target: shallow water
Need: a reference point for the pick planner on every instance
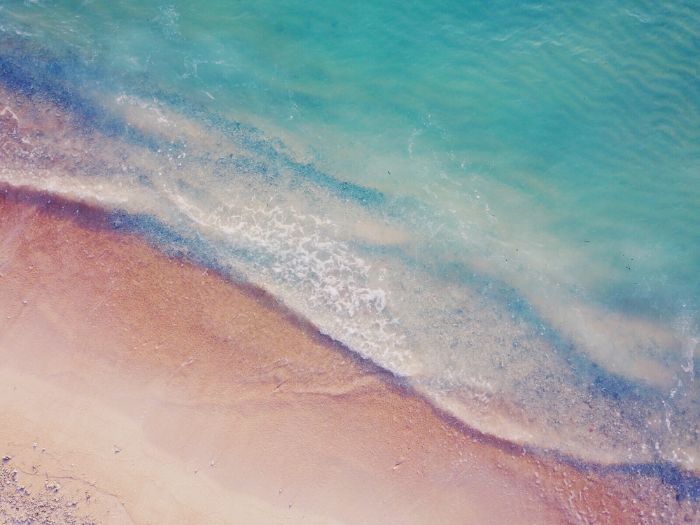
(498, 201)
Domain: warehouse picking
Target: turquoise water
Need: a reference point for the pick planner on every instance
(498, 200)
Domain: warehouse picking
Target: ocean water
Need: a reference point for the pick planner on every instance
(498, 201)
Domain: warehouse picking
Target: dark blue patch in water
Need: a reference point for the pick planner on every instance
(686, 485)
(342, 189)
(59, 80)
(56, 81)
(589, 376)
(274, 160)
(232, 165)
(164, 238)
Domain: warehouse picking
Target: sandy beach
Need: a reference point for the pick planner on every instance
(138, 388)
(539, 376)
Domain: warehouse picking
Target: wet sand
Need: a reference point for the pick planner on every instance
(153, 390)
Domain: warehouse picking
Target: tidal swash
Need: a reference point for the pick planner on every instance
(499, 202)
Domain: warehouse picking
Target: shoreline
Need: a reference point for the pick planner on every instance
(50, 146)
(93, 216)
(102, 326)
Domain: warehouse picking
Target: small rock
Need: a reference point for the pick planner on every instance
(53, 487)
(6, 458)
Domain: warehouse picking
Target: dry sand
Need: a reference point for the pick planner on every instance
(138, 388)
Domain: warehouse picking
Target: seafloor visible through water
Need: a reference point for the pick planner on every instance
(499, 202)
